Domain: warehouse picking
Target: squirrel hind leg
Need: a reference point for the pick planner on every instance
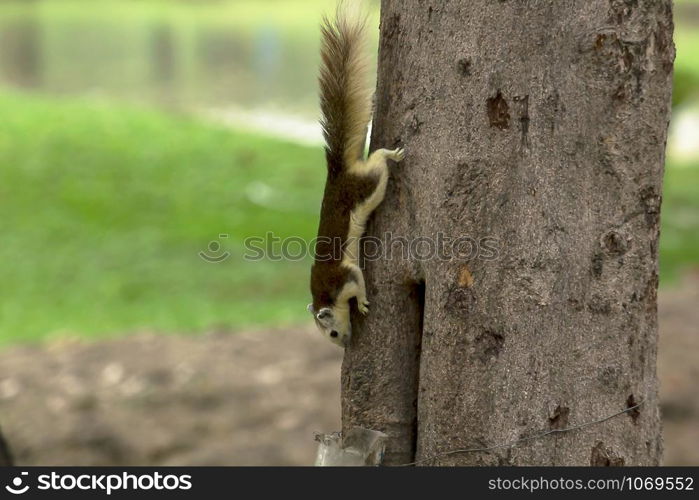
(381, 155)
(377, 162)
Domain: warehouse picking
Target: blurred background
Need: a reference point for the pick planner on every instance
(141, 141)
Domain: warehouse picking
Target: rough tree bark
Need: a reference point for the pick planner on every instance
(541, 124)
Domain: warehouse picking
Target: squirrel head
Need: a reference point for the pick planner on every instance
(333, 322)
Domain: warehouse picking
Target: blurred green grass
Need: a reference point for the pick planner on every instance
(686, 80)
(679, 231)
(104, 210)
(105, 207)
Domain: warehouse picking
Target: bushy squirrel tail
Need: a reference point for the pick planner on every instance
(345, 95)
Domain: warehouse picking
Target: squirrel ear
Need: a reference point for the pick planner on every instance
(324, 313)
(310, 309)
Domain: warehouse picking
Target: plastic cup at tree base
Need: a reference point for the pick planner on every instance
(357, 448)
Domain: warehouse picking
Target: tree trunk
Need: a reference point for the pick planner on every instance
(536, 129)
(5, 457)
(21, 55)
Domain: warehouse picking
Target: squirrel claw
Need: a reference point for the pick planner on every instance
(363, 307)
(398, 154)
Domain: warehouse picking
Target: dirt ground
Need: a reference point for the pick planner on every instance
(247, 398)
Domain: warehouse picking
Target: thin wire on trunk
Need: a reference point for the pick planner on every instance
(512, 444)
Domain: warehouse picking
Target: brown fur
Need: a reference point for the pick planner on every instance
(342, 192)
(327, 279)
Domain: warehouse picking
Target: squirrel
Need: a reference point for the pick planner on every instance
(354, 186)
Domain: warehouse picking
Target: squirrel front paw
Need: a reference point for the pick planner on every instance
(363, 306)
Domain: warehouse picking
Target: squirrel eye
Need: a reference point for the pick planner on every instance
(334, 334)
